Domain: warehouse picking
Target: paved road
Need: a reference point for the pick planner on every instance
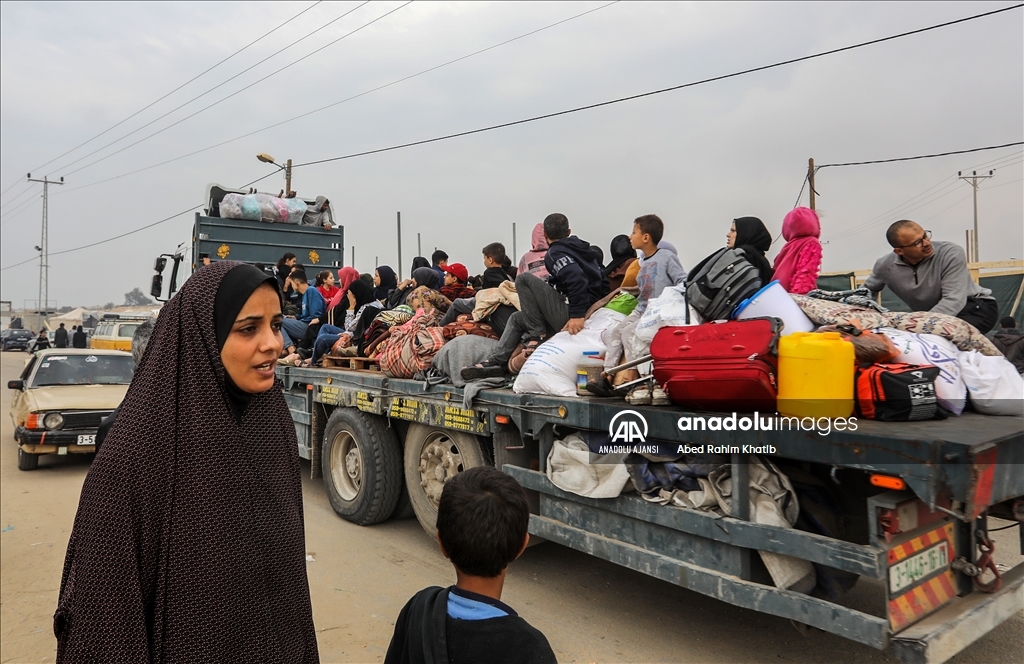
(591, 611)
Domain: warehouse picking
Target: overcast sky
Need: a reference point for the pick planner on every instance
(698, 157)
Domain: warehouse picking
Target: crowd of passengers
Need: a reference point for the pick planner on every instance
(562, 277)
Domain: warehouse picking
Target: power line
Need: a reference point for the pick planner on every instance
(179, 107)
(670, 89)
(24, 191)
(331, 105)
(12, 214)
(197, 76)
(922, 156)
(597, 105)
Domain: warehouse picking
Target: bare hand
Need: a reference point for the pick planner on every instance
(573, 326)
(314, 321)
(351, 300)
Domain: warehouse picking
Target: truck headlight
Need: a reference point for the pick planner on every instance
(53, 421)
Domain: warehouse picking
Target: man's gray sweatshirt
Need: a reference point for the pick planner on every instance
(940, 283)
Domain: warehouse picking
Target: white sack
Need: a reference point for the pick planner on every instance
(569, 469)
(935, 350)
(993, 384)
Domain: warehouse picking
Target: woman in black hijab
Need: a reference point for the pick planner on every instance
(188, 544)
(418, 262)
(750, 235)
(384, 281)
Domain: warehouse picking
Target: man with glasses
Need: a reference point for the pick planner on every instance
(932, 276)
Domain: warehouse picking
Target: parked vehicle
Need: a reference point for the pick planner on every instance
(115, 332)
(61, 397)
(11, 339)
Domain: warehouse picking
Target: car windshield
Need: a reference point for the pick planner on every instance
(84, 370)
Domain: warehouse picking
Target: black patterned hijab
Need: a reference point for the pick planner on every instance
(188, 544)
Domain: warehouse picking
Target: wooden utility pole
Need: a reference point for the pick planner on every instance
(514, 254)
(810, 179)
(288, 178)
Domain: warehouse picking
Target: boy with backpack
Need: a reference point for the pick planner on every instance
(482, 523)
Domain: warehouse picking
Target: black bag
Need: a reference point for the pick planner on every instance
(897, 392)
(720, 282)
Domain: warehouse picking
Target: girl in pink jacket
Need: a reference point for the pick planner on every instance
(798, 264)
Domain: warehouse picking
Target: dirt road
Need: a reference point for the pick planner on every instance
(591, 611)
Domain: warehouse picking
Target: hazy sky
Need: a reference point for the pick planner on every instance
(698, 157)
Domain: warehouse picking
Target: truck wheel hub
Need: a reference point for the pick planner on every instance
(439, 462)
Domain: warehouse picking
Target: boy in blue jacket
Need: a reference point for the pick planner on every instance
(314, 307)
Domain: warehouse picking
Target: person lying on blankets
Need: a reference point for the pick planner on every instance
(576, 281)
(494, 256)
(931, 276)
(313, 309)
(358, 299)
(659, 268)
(455, 276)
(421, 276)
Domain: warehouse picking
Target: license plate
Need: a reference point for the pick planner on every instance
(916, 567)
(86, 439)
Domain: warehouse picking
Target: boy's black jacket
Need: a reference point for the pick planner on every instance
(576, 272)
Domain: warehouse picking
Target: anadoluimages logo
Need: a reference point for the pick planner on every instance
(628, 426)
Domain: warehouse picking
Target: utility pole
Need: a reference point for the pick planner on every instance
(44, 245)
(810, 179)
(972, 180)
(353, 263)
(399, 246)
(514, 254)
(419, 246)
(288, 178)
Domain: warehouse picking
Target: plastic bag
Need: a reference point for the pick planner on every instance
(296, 208)
(250, 207)
(624, 303)
(993, 384)
(272, 209)
(667, 309)
(231, 207)
(551, 369)
(917, 348)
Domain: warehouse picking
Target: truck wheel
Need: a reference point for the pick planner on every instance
(361, 465)
(27, 460)
(432, 457)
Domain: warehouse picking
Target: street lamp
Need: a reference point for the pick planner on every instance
(287, 168)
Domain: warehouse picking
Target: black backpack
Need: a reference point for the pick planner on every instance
(720, 282)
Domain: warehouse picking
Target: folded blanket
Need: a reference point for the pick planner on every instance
(858, 297)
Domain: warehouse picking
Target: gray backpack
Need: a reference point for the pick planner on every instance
(720, 282)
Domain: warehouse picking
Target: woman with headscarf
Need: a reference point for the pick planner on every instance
(533, 260)
(798, 264)
(750, 235)
(359, 298)
(384, 281)
(623, 256)
(418, 262)
(346, 276)
(188, 544)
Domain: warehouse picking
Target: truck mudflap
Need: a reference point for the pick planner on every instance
(952, 628)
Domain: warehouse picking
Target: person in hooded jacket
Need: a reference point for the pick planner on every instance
(576, 281)
(533, 260)
(1010, 342)
(750, 235)
(79, 339)
(319, 214)
(798, 264)
(189, 543)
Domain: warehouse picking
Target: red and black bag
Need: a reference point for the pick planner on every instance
(720, 366)
(896, 392)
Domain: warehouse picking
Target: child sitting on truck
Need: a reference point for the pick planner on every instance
(481, 527)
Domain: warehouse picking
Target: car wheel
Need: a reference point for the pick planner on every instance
(361, 465)
(27, 461)
(432, 457)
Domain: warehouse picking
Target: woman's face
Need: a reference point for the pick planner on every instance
(376, 278)
(730, 237)
(291, 261)
(330, 279)
(254, 343)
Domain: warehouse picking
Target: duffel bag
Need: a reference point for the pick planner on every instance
(896, 392)
(720, 282)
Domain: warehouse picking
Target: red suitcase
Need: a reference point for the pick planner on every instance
(720, 366)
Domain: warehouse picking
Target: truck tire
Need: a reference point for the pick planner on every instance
(362, 466)
(27, 461)
(432, 457)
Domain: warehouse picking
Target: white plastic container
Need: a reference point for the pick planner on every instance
(773, 300)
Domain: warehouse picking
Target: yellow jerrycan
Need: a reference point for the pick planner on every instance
(816, 372)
